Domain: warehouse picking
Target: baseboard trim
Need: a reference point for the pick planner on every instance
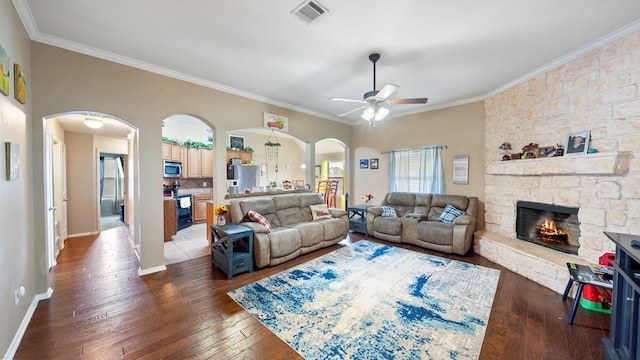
(17, 338)
(151, 270)
(82, 234)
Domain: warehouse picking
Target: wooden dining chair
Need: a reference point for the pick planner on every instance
(332, 193)
(322, 189)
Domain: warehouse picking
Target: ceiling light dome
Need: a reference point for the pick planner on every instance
(93, 123)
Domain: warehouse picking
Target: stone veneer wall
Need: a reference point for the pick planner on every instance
(598, 91)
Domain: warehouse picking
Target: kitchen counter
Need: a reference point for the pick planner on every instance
(196, 191)
(266, 193)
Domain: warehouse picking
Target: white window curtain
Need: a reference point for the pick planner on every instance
(416, 170)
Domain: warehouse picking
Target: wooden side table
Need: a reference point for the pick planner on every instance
(358, 218)
(232, 248)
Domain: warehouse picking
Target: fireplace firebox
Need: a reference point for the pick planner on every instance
(552, 226)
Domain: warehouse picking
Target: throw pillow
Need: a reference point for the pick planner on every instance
(449, 214)
(388, 211)
(253, 215)
(320, 212)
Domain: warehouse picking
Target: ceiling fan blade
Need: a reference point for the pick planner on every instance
(345, 100)
(408, 101)
(352, 111)
(386, 91)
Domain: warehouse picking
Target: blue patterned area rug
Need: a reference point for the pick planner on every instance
(373, 301)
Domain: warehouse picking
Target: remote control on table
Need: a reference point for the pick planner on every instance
(635, 243)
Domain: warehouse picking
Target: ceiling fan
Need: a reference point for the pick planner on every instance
(376, 103)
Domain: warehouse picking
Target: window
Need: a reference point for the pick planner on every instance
(416, 170)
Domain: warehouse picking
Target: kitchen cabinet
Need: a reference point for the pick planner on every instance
(246, 156)
(206, 163)
(199, 163)
(173, 152)
(170, 218)
(193, 163)
(200, 207)
(176, 152)
(166, 151)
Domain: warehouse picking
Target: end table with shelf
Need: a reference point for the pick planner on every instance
(232, 248)
(625, 316)
(358, 218)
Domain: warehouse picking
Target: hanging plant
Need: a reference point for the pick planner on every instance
(269, 143)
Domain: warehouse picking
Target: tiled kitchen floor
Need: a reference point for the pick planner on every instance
(189, 243)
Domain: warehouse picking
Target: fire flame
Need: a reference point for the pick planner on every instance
(549, 228)
(549, 232)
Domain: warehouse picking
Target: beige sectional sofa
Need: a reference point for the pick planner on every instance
(293, 230)
(418, 221)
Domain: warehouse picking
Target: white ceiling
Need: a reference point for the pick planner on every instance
(452, 52)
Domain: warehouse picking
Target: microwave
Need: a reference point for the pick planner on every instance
(171, 169)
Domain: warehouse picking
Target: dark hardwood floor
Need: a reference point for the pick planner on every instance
(102, 309)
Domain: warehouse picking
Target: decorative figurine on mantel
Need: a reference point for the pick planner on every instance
(506, 147)
(559, 149)
(529, 151)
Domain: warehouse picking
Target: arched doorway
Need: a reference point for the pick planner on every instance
(331, 165)
(187, 140)
(72, 163)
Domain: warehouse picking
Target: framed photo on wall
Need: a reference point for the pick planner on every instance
(577, 143)
(461, 169)
(364, 163)
(236, 142)
(374, 164)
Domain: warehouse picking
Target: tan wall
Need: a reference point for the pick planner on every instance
(81, 180)
(599, 91)
(143, 100)
(17, 236)
(460, 128)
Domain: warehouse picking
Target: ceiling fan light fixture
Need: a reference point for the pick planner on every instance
(381, 113)
(369, 113)
(93, 123)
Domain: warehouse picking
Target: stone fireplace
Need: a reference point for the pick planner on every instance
(548, 225)
(597, 91)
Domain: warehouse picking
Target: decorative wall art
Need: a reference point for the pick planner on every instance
(278, 122)
(364, 163)
(373, 163)
(577, 143)
(12, 151)
(236, 142)
(210, 136)
(5, 65)
(461, 169)
(19, 83)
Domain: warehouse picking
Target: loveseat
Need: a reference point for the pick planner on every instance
(421, 219)
(289, 227)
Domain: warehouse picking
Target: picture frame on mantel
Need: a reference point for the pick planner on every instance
(577, 143)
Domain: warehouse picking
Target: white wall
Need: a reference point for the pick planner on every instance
(184, 127)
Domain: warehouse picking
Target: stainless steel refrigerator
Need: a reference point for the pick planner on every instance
(248, 176)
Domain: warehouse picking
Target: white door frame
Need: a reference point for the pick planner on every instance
(49, 203)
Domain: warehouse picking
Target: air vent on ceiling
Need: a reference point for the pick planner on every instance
(309, 11)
